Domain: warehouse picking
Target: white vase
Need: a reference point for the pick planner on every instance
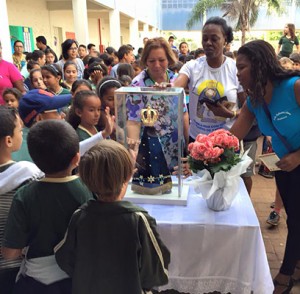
(217, 201)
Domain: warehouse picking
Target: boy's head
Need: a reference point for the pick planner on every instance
(171, 40)
(39, 105)
(295, 57)
(53, 145)
(10, 129)
(286, 63)
(106, 169)
(125, 53)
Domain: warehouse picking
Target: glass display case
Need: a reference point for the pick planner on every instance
(150, 122)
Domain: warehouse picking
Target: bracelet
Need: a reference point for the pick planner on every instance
(234, 114)
(133, 142)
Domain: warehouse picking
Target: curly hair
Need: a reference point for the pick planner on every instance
(264, 67)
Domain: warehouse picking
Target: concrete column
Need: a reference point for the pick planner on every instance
(146, 31)
(134, 33)
(80, 21)
(115, 30)
(5, 35)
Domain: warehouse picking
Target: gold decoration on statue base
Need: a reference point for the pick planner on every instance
(165, 188)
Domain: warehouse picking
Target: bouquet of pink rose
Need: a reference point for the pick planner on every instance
(214, 152)
(217, 168)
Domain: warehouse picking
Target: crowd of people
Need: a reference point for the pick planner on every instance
(57, 137)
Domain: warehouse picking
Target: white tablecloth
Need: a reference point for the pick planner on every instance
(214, 251)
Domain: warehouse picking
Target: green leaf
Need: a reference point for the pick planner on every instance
(244, 13)
(228, 159)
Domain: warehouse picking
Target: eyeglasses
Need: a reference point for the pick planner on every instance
(73, 48)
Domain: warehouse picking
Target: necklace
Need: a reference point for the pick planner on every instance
(219, 65)
(58, 92)
(166, 77)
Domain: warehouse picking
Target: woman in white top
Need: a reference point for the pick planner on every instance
(70, 52)
(213, 85)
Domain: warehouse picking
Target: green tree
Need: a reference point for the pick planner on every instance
(243, 12)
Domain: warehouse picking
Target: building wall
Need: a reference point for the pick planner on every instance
(30, 13)
(55, 24)
(175, 14)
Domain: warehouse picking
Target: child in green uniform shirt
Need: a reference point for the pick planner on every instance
(41, 210)
(85, 113)
(12, 176)
(111, 245)
(287, 41)
(52, 77)
(38, 105)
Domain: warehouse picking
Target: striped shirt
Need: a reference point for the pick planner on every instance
(6, 201)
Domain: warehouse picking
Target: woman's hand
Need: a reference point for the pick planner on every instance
(162, 85)
(221, 109)
(289, 161)
(96, 76)
(185, 168)
(110, 123)
(269, 141)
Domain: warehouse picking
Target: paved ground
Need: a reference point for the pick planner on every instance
(274, 237)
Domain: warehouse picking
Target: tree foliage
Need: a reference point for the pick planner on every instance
(244, 13)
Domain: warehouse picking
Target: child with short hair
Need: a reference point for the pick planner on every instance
(111, 245)
(40, 211)
(286, 63)
(11, 97)
(295, 57)
(12, 176)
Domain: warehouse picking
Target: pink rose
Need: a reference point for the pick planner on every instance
(201, 138)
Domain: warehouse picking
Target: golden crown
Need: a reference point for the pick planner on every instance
(149, 116)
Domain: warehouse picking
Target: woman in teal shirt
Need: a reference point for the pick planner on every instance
(272, 89)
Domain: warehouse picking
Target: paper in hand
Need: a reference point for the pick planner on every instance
(270, 160)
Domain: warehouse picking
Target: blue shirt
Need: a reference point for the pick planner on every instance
(285, 114)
